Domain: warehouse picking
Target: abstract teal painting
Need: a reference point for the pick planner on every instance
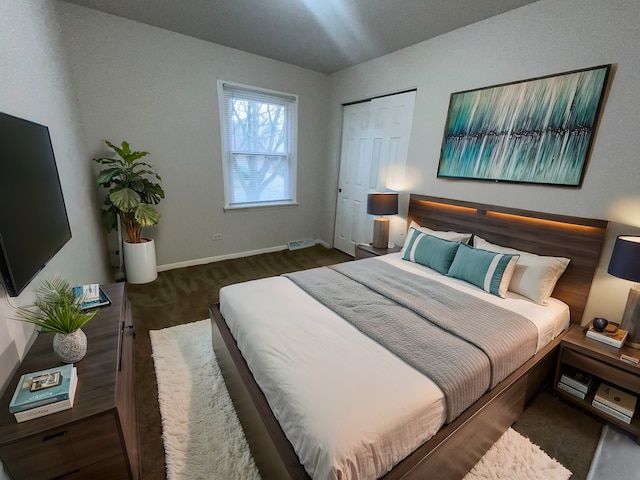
(535, 131)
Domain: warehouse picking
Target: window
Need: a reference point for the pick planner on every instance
(258, 147)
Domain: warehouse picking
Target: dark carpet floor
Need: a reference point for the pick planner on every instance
(183, 295)
(564, 432)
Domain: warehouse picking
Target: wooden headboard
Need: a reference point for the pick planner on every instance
(579, 239)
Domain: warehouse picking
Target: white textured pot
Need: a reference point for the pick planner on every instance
(140, 261)
(70, 347)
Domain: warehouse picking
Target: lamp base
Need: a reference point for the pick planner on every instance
(631, 318)
(381, 232)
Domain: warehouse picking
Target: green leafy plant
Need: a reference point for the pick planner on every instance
(55, 308)
(132, 191)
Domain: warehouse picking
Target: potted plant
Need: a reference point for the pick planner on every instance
(56, 309)
(133, 190)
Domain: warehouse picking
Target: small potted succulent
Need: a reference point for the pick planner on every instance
(133, 189)
(56, 309)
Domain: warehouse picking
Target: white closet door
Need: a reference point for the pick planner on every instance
(375, 140)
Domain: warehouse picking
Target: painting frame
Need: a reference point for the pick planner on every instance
(535, 131)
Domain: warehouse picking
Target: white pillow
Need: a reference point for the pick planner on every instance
(451, 236)
(534, 276)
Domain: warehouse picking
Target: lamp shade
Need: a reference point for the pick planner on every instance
(625, 259)
(382, 204)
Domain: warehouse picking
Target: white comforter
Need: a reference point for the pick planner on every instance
(350, 408)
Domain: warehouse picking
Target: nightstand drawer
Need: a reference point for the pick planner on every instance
(608, 373)
(64, 450)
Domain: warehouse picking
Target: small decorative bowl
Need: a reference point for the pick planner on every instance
(600, 324)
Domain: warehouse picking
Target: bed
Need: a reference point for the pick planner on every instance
(441, 437)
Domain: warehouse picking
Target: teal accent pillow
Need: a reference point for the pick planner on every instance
(430, 251)
(491, 271)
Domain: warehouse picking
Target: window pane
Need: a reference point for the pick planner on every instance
(258, 126)
(259, 145)
(260, 178)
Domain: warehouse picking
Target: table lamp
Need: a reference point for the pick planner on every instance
(381, 204)
(625, 263)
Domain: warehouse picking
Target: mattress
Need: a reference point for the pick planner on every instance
(349, 407)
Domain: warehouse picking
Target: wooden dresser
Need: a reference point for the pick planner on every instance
(98, 437)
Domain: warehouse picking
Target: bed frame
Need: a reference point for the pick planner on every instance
(456, 447)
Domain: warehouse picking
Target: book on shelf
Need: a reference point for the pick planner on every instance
(620, 401)
(50, 408)
(92, 296)
(577, 379)
(611, 411)
(42, 388)
(571, 390)
(615, 339)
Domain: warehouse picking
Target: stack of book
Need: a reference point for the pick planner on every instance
(44, 392)
(615, 402)
(575, 382)
(615, 339)
(91, 296)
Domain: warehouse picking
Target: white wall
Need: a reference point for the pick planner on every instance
(547, 37)
(34, 84)
(157, 89)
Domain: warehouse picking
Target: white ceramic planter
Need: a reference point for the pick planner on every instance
(140, 261)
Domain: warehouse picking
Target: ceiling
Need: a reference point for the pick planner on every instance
(322, 35)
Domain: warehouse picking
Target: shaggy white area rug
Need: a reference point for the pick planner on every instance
(513, 456)
(202, 435)
(203, 438)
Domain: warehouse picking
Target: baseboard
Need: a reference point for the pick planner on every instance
(230, 256)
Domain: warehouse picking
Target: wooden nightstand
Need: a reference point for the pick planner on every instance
(366, 251)
(603, 362)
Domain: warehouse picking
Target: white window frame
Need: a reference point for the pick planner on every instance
(227, 154)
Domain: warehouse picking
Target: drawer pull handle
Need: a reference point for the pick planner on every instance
(66, 475)
(55, 435)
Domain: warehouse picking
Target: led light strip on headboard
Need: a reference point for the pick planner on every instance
(577, 238)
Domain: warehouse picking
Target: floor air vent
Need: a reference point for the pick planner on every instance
(298, 244)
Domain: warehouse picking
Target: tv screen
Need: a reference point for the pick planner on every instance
(33, 218)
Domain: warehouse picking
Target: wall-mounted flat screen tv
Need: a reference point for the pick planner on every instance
(33, 218)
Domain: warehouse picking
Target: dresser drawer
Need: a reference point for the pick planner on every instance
(113, 468)
(58, 452)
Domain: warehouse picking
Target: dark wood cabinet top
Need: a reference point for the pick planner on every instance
(372, 251)
(97, 373)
